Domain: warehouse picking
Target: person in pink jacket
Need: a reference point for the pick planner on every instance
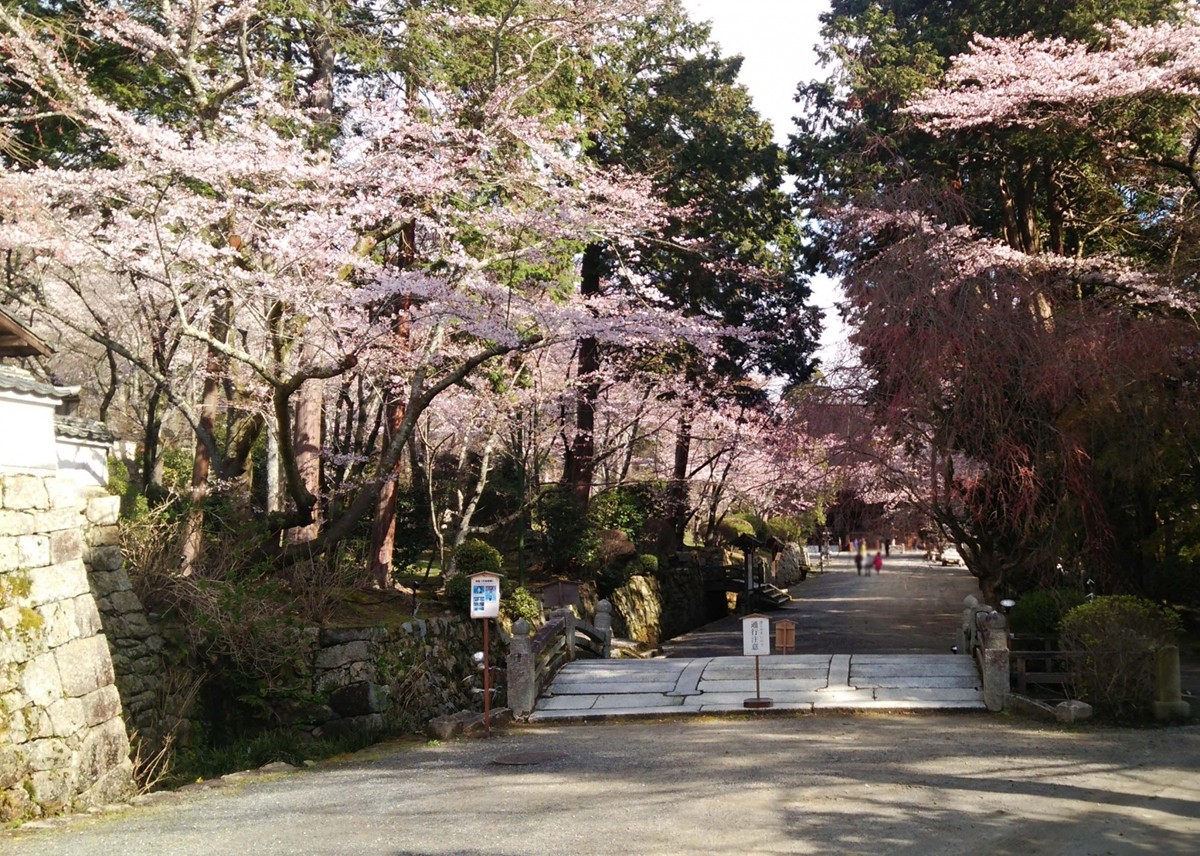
(877, 562)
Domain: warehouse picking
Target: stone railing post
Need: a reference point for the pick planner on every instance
(604, 625)
(966, 634)
(568, 619)
(522, 670)
(1168, 694)
(993, 659)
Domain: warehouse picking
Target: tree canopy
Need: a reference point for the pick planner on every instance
(1009, 194)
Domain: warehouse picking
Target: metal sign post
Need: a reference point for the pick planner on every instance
(485, 605)
(756, 641)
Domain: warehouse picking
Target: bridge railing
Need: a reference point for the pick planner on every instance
(533, 661)
(985, 637)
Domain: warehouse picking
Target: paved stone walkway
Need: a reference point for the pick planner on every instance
(864, 642)
(598, 689)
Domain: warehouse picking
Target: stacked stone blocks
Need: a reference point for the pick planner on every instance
(134, 643)
(63, 743)
(408, 674)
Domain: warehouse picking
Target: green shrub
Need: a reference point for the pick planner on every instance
(176, 469)
(477, 557)
(1041, 611)
(647, 565)
(1117, 637)
(470, 557)
(521, 603)
(734, 526)
(571, 543)
(628, 508)
(789, 529)
(118, 476)
(614, 576)
(133, 503)
(457, 591)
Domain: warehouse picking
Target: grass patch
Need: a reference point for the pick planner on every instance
(198, 763)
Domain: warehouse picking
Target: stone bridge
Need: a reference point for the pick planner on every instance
(884, 641)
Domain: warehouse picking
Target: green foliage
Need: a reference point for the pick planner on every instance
(1118, 636)
(628, 508)
(477, 557)
(134, 503)
(177, 469)
(208, 761)
(617, 574)
(1041, 611)
(646, 565)
(571, 543)
(761, 531)
(118, 476)
(613, 576)
(734, 526)
(521, 603)
(790, 529)
(471, 557)
(457, 591)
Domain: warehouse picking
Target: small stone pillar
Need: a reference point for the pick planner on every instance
(965, 635)
(1168, 695)
(522, 670)
(604, 625)
(568, 618)
(993, 663)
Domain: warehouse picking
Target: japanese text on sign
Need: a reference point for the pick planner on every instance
(485, 596)
(756, 635)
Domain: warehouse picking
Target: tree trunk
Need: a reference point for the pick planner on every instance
(306, 445)
(214, 369)
(151, 464)
(677, 491)
(583, 448)
(383, 528)
(485, 469)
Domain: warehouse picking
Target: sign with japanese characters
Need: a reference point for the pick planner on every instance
(756, 635)
(485, 595)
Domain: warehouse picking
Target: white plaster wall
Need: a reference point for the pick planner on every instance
(27, 431)
(83, 462)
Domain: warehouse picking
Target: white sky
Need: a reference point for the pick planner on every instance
(776, 38)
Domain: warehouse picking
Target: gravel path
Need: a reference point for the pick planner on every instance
(928, 784)
(781, 783)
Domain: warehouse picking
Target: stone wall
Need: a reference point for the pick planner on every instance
(637, 611)
(135, 645)
(408, 674)
(793, 565)
(63, 744)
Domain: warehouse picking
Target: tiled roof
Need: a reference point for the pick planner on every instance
(75, 428)
(14, 379)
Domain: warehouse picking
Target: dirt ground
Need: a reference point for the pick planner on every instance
(923, 784)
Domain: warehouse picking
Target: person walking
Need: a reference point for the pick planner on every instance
(860, 553)
(877, 562)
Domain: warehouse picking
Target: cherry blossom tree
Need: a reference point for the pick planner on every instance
(270, 252)
(1027, 284)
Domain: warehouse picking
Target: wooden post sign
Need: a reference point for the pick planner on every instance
(485, 605)
(756, 641)
(785, 636)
